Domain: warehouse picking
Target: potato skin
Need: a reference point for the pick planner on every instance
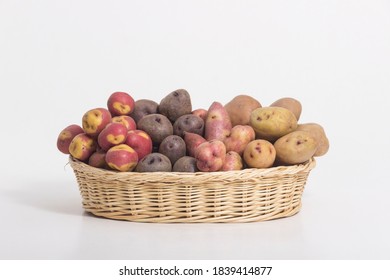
(318, 133)
(290, 104)
(185, 164)
(154, 162)
(271, 123)
(240, 108)
(259, 154)
(295, 147)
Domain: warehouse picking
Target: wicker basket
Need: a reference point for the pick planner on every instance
(248, 195)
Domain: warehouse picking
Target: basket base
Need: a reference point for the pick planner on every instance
(195, 219)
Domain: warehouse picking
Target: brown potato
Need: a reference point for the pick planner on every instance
(291, 104)
(319, 134)
(240, 109)
(295, 147)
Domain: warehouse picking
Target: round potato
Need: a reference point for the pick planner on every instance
(259, 154)
(154, 162)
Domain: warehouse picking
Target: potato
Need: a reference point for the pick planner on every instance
(122, 158)
(295, 147)
(233, 161)
(188, 123)
(157, 126)
(173, 147)
(154, 162)
(192, 141)
(210, 156)
(185, 164)
(319, 134)
(239, 138)
(175, 104)
(82, 146)
(218, 124)
(259, 154)
(143, 107)
(240, 109)
(289, 103)
(271, 123)
(66, 136)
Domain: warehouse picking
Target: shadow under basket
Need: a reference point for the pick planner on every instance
(249, 195)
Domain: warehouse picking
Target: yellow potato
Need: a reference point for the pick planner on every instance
(295, 147)
(271, 123)
(319, 134)
(259, 154)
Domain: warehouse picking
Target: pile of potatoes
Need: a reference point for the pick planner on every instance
(146, 136)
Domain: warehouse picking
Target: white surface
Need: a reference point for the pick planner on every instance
(61, 58)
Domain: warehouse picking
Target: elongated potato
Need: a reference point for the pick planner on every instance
(271, 123)
(295, 147)
(319, 134)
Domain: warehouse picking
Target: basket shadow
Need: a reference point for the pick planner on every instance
(50, 196)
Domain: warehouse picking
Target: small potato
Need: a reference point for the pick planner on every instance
(290, 104)
(157, 126)
(271, 123)
(98, 159)
(185, 164)
(295, 147)
(82, 146)
(143, 107)
(122, 158)
(319, 134)
(66, 136)
(188, 123)
(154, 162)
(173, 147)
(239, 138)
(192, 141)
(210, 156)
(233, 161)
(259, 154)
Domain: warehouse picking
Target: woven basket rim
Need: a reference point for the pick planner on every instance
(217, 175)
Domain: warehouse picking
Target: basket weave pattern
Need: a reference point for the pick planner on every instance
(248, 195)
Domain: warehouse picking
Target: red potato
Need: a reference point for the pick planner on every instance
(120, 103)
(66, 136)
(210, 156)
(95, 120)
(122, 158)
(140, 141)
(192, 141)
(238, 138)
(113, 134)
(82, 146)
(127, 121)
(218, 124)
(202, 113)
(233, 161)
(98, 159)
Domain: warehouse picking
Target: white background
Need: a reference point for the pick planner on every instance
(59, 59)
